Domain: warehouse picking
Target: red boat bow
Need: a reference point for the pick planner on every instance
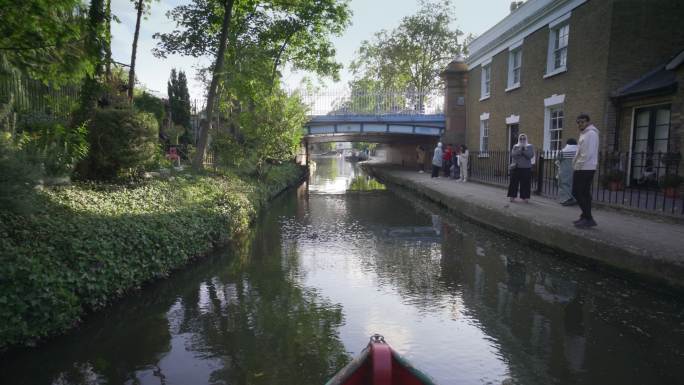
(379, 364)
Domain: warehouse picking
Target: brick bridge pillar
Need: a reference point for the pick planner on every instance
(455, 77)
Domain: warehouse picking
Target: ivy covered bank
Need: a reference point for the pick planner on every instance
(87, 244)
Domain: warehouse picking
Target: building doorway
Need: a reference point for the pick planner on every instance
(651, 135)
(513, 130)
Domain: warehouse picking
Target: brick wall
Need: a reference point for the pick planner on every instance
(644, 34)
(583, 84)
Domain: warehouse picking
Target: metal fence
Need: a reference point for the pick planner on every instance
(26, 100)
(385, 102)
(640, 180)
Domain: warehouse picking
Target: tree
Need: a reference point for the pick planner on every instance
(147, 102)
(412, 55)
(264, 35)
(197, 41)
(179, 98)
(141, 7)
(44, 39)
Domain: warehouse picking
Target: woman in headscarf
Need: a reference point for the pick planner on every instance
(437, 160)
(522, 158)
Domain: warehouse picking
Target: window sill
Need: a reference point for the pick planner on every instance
(513, 87)
(484, 97)
(556, 72)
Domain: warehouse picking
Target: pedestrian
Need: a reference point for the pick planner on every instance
(420, 158)
(564, 164)
(463, 163)
(584, 164)
(522, 159)
(455, 169)
(446, 160)
(437, 160)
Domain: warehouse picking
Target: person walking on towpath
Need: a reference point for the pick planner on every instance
(584, 165)
(522, 159)
(437, 160)
(420, 158)
(564, 163)
(463, 163)
(446, 160)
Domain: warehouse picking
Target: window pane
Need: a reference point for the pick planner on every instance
(643, 118)
(663, 116)
(641, 133)
(660, 146)
(662, 131)
(563, 57)
(640, 146)
(563, 33)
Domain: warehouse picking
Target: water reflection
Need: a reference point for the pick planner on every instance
(334, 175)
(295, 300)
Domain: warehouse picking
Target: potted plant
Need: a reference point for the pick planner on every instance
(614, 180)
(669, 183)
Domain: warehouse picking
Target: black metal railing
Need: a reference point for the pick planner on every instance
(642, 180)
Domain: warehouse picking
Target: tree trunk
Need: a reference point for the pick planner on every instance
(108, 43)
(205, 127)
(131, 73)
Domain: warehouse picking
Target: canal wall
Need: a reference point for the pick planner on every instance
(84, 245)
(650, 250)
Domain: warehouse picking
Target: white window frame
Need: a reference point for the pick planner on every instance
(559, 40)
(486, 80)
(512, 84)
(484, 134)
(550, 104)
(556, 119)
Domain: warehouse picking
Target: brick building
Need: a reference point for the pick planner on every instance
(550, 60)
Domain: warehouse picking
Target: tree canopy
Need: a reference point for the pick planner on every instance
(179, 98)
(44, 38)
(261, 36)
(412, 55)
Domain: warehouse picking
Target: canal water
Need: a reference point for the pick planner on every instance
(342, 258)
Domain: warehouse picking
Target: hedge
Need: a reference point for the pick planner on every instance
(88, 243)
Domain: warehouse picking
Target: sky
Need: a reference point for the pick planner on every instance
(369, 17)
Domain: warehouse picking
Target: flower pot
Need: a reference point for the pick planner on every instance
(670, 192)
(616, 186)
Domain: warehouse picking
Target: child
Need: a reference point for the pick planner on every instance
(564, 163)
(463, 163)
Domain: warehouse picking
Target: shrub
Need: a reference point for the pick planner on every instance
(90, 243)
(18, 175)
(122, 143)
(612, 176)
(56, 146)
(146, 102)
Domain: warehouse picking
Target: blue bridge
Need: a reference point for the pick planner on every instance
(380, 117)
(372, 128)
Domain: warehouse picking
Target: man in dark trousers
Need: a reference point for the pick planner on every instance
(584, 166)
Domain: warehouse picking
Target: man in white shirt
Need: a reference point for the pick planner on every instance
(584, 166)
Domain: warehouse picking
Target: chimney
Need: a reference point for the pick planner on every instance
(515, 5)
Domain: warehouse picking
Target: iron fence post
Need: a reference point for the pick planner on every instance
(540, 174)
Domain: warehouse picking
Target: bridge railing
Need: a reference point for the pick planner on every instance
(387, 102)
